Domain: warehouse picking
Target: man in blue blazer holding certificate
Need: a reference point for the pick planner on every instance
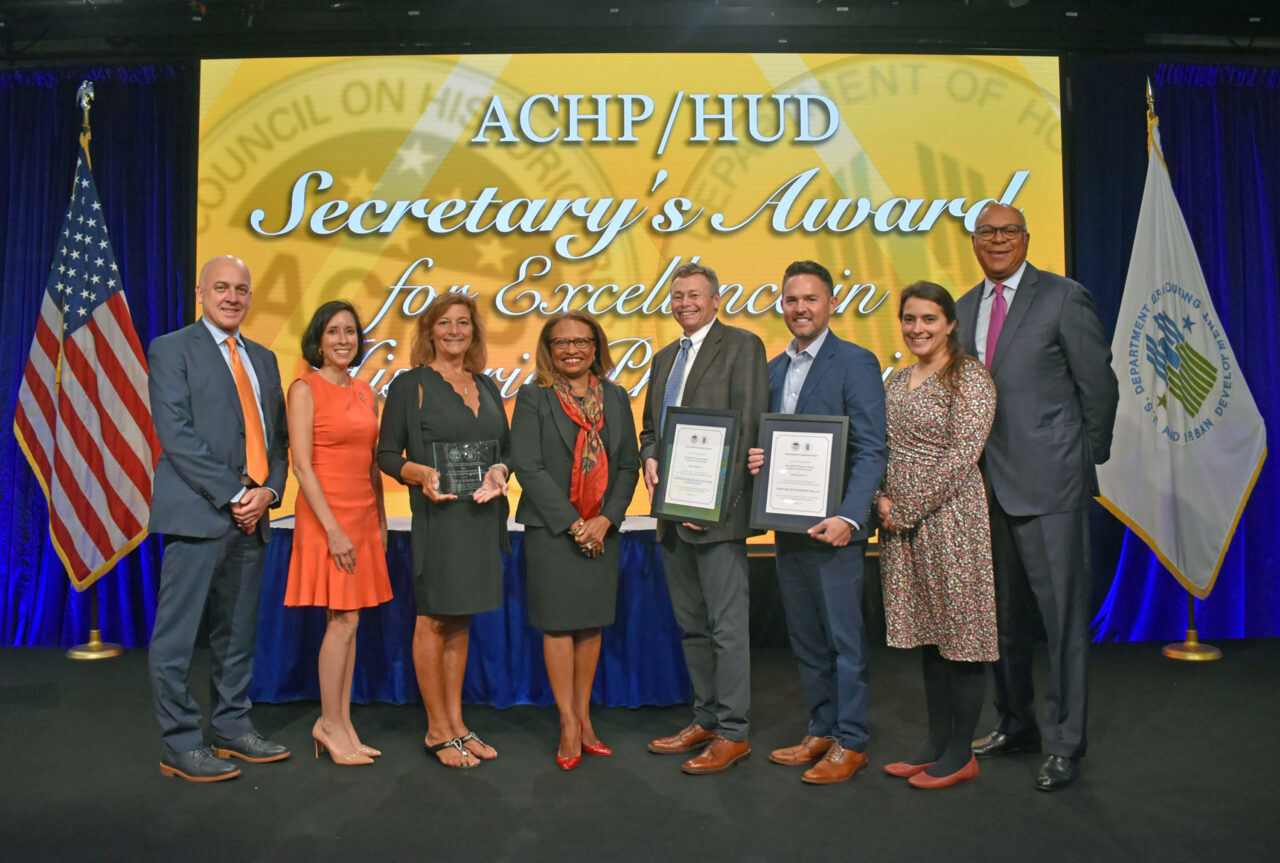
(820, 572)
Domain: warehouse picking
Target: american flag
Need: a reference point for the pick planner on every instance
(83, 417)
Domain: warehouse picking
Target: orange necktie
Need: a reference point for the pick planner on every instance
(255, 446)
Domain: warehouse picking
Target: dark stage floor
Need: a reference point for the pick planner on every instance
(1183, 766)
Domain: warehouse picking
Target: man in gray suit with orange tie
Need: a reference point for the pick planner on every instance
(718, 367)
(1056, 395)
(219, 414)
(820, 572)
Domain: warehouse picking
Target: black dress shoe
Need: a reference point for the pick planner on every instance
(999, 743)
(198, 765)
(251, 747)
(1057, 772)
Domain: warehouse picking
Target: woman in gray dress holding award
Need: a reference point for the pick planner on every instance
(444, 435)
(574, 451)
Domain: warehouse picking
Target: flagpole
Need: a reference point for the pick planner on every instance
(95, 647)
(1191, 650)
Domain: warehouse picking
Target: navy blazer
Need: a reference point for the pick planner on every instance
(200, 425)
(542, 443)
(844, 380)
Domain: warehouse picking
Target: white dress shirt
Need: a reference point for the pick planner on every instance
(697, 338)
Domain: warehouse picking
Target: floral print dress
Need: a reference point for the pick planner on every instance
(936, 572)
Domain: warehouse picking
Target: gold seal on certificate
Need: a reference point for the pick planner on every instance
(802, 480)
(698, 445)
(462, 465)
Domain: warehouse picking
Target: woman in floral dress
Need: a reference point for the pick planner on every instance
(935, 557)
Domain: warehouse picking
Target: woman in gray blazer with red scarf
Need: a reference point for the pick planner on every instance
(573, 450)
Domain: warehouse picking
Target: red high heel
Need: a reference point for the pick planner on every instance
(596, 748)
(571, 761)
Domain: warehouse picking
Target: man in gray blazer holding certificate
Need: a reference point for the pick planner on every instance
(820, 573)
(219, 415)
(1056, 395)
(719, 367)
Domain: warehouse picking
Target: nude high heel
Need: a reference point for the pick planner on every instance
(322, 744)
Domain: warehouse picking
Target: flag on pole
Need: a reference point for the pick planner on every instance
(1189, 441)
(83, 417)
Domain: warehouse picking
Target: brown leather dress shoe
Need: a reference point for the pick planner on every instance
(722, 754)
(808, 751)
(838, 765)
(692, 736)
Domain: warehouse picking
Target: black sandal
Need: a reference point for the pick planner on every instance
(471, 735)
(455, 743)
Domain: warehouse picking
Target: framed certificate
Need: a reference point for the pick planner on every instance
(698, 447)
(802, 480)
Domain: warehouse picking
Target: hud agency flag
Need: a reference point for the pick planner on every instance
(1189, 441)
(84, 417)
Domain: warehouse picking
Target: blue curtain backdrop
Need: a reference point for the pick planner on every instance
(142, 161)
(640, 658)
(1219, 125)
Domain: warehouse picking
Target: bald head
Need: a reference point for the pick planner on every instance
(225, 291)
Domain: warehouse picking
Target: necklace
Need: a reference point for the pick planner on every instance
(455, 381)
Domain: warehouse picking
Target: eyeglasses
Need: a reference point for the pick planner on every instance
(987, 233)
(563, 344)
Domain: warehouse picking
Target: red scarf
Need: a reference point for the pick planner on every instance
(590, 460)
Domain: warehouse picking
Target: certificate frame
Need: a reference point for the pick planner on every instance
(822, 493)
(673, 497)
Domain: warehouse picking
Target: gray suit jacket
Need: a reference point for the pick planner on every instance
(542, 443)
(201, 429)
(1056, 395)
(728, 373)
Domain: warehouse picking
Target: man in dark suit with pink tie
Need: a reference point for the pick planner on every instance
(1040, 337)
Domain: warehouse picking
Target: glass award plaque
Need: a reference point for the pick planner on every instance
(462, 465)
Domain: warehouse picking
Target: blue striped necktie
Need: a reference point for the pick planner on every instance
(672, 392)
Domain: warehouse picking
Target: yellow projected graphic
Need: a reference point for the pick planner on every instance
(539, 183)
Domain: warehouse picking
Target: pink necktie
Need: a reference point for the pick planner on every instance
(998, 310)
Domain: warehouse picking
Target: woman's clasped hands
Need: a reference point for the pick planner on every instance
(589, 534)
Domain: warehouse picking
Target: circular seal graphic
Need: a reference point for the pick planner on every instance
(1179, 365)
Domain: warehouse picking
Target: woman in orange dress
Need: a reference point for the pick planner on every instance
(339, 539)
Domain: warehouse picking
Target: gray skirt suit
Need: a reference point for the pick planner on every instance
(568, 590)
